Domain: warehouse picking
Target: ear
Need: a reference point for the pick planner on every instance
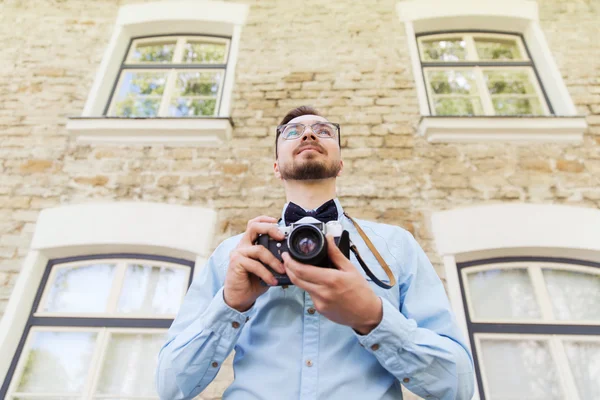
(276, 170)
(341, 168)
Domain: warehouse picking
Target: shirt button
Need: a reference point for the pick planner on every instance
(375, 347)
(215, 364)
(311, 311)
(406, 380)
(309, 363)
(235, 324)
(284, 286)
(247, 319)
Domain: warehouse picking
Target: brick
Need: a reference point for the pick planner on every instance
(97, 180)
(569, 166)
(33, 166)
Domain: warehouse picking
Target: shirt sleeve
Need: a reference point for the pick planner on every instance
(420, 343)
(203, 334)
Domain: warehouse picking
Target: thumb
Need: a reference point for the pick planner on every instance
(336, 256)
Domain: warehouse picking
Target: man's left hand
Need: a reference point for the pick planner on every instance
(342, 295)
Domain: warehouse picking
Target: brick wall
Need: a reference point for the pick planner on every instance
(347, 58)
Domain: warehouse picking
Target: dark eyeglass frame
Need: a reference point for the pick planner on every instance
(281, 128)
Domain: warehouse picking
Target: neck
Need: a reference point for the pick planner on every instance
(309, 194)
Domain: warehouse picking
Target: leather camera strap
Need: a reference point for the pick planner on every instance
(380, 259)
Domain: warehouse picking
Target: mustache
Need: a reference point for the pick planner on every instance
(311, 144)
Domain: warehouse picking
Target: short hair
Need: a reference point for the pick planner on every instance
(298, 112)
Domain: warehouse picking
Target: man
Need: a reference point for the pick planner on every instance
(334, 334)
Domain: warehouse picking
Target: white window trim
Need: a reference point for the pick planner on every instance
(517, 16)
(104, 228)
(161, 18)
(500, 230)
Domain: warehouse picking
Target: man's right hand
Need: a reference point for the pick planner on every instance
(242, 283)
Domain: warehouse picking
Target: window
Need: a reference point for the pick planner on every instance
(480, 74)
(534, 325)
(96, 327)
(524, 283)
(171, 76)
(167, 76)
(483, 71)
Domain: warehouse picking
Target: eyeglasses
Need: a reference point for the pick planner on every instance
(327, 130)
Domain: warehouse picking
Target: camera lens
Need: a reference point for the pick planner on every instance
(306, 244)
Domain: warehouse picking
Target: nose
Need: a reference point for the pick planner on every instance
(306, 134)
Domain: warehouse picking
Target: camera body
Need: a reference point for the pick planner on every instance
(305, 242)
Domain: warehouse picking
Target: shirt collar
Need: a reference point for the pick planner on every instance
(340, 210)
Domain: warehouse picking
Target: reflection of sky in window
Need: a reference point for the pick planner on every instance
(81, 289)
(156, 290)
(61, 361)
(462, 81)
(127, 85)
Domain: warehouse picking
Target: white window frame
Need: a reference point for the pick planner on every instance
(121, 265)
(96, 361)
(483, 93)
(102, 228)
(536, 276)
(182, 17)
(505, 230)
(511, 16)
(171, 73)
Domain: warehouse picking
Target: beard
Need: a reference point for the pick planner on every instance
(310, 170)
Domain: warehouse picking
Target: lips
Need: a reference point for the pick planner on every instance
(303, 148)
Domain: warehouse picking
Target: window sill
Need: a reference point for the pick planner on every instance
(502, 129)
(207, 131)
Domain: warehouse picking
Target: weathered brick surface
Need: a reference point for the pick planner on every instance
(347, 58)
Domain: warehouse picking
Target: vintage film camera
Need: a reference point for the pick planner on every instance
(306, 243)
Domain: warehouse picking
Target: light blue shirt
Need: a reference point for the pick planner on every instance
(286, 350)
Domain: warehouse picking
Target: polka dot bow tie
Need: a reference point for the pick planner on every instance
(325, 213)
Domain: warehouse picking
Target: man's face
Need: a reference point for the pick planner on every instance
(308, 157)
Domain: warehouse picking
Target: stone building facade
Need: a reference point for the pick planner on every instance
(351, 60)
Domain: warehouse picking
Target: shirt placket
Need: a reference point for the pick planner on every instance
(310, 351)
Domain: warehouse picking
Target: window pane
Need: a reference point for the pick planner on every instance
(502, 294)
(452, 81)
(129, 364)
(198, 83)
(519, 369)
(517, 106)
(152, 289)
(497, 49)
(451, 49)
(154, 52)
(57, 362)
(513, 92)
(205, 53)
(458, 106)
(508, 81)
(189, 107)
(584, 359)
(196, 93)
(82, 289)
(139, 94)
(574, 295)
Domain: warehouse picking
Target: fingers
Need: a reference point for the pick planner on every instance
(261, 226)
(261, 253)
(302, 284)
(336, 256)
(308, 273)
(256, 268)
